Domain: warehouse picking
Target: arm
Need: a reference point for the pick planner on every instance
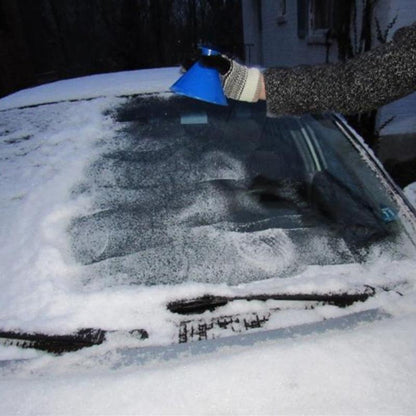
(364, 83)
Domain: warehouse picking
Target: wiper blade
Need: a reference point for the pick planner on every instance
(211, 302)
(58, 344)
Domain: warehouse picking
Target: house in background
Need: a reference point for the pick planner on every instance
(293, 32)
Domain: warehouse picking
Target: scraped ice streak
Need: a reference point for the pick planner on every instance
(43, 152)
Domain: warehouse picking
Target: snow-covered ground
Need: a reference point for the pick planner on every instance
(44, 150)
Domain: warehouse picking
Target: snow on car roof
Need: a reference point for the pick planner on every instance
(111, 84)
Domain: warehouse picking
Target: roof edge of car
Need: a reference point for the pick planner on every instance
(74, 100)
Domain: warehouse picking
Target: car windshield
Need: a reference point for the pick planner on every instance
(190, 191)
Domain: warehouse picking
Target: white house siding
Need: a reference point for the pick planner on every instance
(279, 44)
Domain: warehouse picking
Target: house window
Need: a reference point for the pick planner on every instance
(303, 12)
(282, 7)
(320, 20)
(259, 13)
(320, 13)
(281, 12)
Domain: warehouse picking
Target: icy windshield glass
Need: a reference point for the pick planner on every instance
(190, 191)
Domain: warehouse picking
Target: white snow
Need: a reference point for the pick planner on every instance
(43, 153)
(410, 192)
(401, 115)
(101, 85)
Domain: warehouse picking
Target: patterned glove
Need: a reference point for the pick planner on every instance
(239, 82)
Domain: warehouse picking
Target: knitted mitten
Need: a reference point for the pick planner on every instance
(239, 81)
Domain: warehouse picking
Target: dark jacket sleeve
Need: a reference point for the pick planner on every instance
(363, 83)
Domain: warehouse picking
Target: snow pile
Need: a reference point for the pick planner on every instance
(368, 371)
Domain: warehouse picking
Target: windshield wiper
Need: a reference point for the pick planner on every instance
(58, 344)
(211, 302)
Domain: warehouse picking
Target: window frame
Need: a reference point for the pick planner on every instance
(282, 12)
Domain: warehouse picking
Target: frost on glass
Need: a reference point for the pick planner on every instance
(190, 191)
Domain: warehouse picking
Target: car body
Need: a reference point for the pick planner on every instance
(148, 230)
